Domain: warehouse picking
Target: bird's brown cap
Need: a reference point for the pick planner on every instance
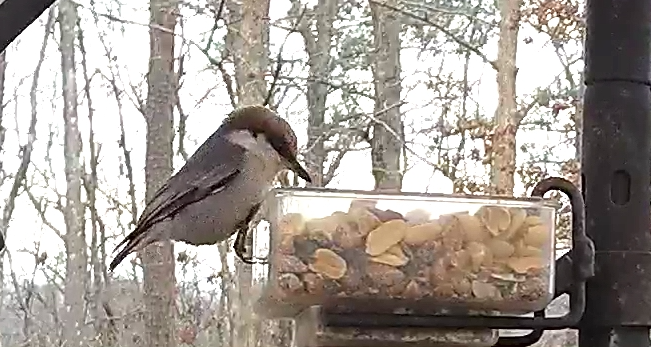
(261, 120)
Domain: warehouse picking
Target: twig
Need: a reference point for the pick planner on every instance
(454, 38)
(279, 60)
(26, 150)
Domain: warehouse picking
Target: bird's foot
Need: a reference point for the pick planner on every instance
(251, 260)
(240, 249)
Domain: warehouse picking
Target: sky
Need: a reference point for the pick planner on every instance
(537, 62)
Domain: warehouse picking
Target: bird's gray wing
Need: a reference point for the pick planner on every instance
(177, 194)
(211, 167)
(207, 172)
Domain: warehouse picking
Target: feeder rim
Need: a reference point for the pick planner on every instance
(532, 202)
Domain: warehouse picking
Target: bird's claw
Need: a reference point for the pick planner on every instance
(240, 249)
(250, 260)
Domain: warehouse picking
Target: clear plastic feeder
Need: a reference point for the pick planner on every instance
(368, 252)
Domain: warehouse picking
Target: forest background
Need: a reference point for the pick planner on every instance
(101, 100)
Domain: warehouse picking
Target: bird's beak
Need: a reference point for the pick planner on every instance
(295, 166)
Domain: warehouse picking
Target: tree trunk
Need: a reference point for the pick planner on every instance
(388, 133)
(319, 57)
(507, 117)
(248, 40)
(90, 185)
(158, 259)
(75, 238)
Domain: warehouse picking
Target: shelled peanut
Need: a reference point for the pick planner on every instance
(497, 258)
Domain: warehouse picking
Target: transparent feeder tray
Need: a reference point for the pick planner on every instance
(367, 252)
(310, 332)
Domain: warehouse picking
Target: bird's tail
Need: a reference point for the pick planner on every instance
(134, 244)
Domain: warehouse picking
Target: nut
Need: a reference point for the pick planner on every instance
(453, 237)
(350, 238)
(479, 255)
(385, 236)
(518, 217)
(386, 215)
(314, 283)
(524, 264)
(413, 290)
(537, 236)
(347, 233)
(292, 224)
(462, 286)
(290, 283)
(471, 227)
(417, 216)
(532, 220)
(290, 263)
(384, 275)
(394, 256)
(419, 234)
(365, 220)
(322, 228)
(354, 279)
(500, 248)
(286, 244)
(523, 250)
(496, 218)
(328, 264)
(494, 259)
(483, 290)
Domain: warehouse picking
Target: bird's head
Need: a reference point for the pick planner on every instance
(264, 133)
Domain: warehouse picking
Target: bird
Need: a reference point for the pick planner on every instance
(222, 185)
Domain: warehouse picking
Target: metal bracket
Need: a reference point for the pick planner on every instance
(570, 274)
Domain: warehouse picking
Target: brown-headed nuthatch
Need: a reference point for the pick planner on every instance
(222, 185)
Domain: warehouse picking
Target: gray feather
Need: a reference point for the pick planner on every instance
(203, 175)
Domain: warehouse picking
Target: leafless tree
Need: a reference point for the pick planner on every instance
(159, 281)
(507, 115)
(74, 209)
(388, 138)
(318, 47)
(347, 86)
(97, 249)
(19, 178)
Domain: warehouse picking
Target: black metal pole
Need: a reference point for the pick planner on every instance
(616, 172)
(16, 15)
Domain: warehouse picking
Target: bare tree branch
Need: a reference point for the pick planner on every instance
(445, 31)
(26, 150)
